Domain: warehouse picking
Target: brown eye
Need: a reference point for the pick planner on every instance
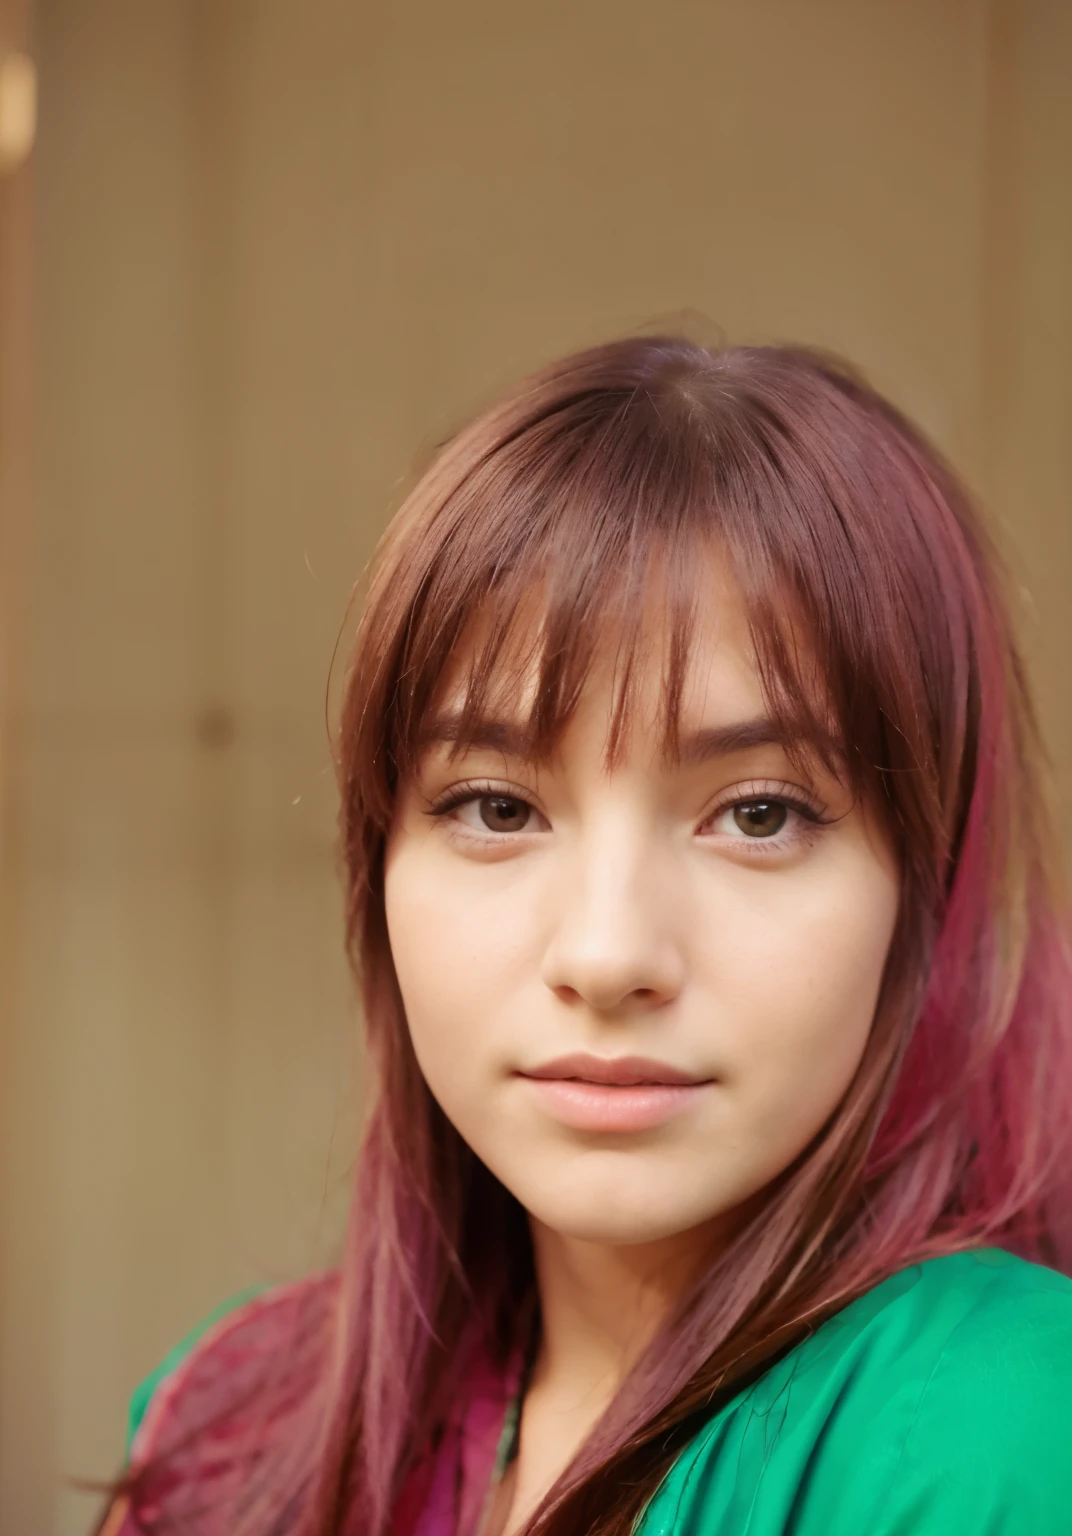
(760, 818)
(503, 813)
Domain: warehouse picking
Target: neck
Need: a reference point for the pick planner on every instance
(601, 1306)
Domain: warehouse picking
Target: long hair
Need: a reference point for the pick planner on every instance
(841, 524)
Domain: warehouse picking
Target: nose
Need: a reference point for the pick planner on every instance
(614, 944)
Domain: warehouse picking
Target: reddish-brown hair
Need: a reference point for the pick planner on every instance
(841, 524)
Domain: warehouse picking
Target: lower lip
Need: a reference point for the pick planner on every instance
(606, 1107)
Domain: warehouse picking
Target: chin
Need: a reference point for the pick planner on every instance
(622, 1233)
(614, 1222)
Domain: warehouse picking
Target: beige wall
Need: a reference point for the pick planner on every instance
(279, 248)
(15, 344)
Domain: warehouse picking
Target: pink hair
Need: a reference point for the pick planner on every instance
(840, 522)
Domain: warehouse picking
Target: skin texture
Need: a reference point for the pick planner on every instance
(626, 912)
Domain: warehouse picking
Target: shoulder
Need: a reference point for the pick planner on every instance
(258, 1342)
(941, 1400)
(147, 1389)
(986, 1302)
(991, 1328)
(981, 1324)
(992, 1428)
(975, 1323)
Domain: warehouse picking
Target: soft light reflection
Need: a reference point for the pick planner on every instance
(18, 109)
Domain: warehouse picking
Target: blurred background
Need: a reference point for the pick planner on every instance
(259, 257)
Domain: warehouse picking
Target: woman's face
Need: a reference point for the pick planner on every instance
(639, 994)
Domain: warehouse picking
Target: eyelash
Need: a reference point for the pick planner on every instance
(812, 817)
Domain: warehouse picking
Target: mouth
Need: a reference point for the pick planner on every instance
(613, 1094)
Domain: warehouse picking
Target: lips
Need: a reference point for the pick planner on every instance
(618, 1094)
(616, 1071)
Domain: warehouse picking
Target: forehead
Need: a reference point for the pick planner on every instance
(636, 676)
(636, 618)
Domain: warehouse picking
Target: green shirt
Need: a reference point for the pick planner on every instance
(939, 1404)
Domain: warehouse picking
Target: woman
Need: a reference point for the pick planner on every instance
(718, 1001)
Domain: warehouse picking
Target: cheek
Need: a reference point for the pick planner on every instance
(459, 942)
(802, 974)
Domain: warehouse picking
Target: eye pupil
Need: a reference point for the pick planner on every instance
(502, 813)
(760, 818)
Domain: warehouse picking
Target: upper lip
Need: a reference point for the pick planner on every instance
(623, 1071)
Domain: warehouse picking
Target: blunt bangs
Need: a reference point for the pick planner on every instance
(556, 541)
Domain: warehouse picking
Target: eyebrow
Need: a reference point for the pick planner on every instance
(513, 740)
(738, 736)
